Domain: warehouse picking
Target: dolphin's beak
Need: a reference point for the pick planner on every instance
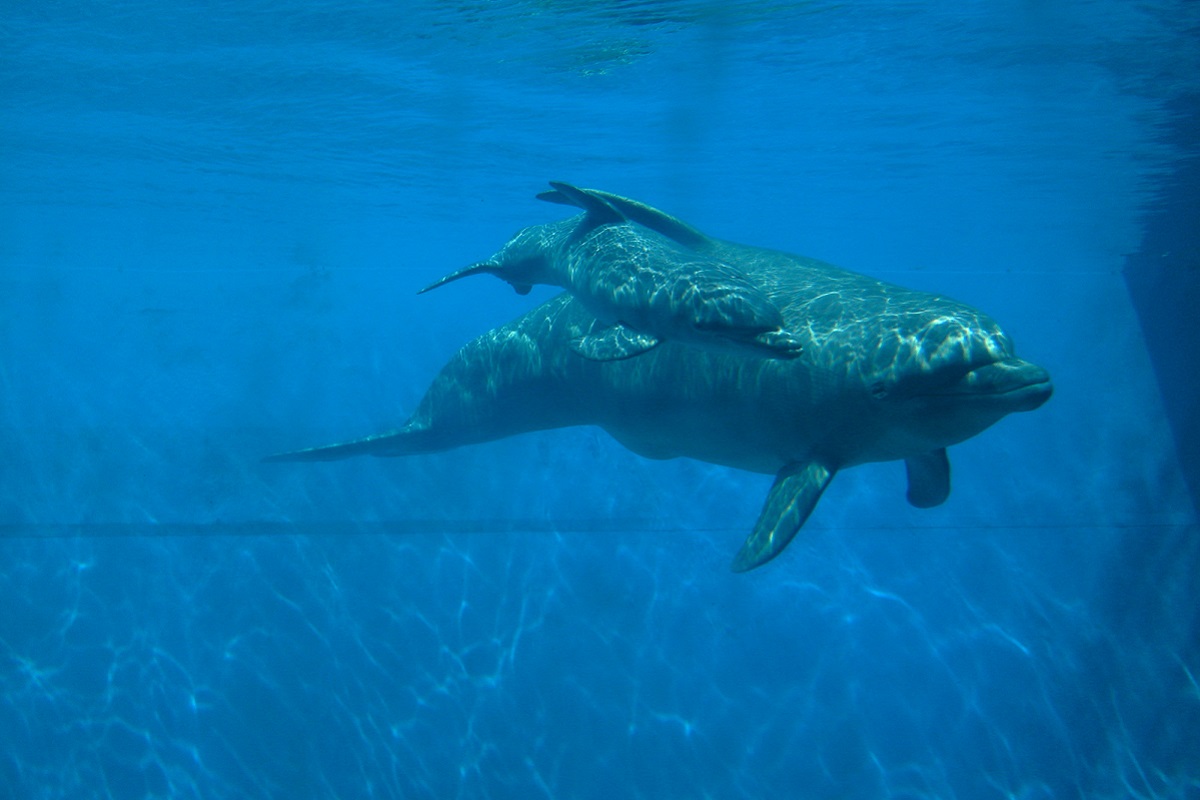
(474, 269)
(1021, 385)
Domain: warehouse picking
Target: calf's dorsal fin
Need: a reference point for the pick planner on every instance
(644, 215)
(599, 210)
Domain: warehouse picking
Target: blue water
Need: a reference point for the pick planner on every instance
(213, 221)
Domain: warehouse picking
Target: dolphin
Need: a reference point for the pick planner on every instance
(641, 285)
(884, 374)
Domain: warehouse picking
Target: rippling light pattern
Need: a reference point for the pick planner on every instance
(214, 218)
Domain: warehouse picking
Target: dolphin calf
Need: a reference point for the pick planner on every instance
(642, 286)
(883, 374)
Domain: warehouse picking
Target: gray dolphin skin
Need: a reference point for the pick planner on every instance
(883, 374)
(642, 286)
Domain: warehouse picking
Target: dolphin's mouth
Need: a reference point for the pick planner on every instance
(1018, 384)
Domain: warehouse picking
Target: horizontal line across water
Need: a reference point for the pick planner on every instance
(463, 526)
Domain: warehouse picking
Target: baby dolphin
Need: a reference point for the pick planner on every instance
(630, 266)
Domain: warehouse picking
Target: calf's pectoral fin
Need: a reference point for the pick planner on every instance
(780, 343)
(792, 498)
(612, 343)
(928, 478)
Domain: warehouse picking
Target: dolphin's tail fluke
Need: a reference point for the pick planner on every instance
(477, 269)
(398, 443)
(474, 269)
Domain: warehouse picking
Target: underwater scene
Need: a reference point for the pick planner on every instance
(581, 399)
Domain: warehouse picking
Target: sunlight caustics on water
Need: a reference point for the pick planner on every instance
(214, 221)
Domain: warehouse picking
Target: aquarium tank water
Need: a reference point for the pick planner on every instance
(214, 222)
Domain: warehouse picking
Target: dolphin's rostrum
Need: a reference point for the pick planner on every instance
(880, 373)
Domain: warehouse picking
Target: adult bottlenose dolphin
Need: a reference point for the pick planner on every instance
(642, 286)
(884, 374)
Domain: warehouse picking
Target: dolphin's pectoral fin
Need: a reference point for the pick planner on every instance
(792, 498)
(612, 343)
(781, 343)
(928, 478)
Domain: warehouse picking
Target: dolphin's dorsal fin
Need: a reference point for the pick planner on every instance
(599, 210)
(792, 498)
(642, 214)
(928, 478)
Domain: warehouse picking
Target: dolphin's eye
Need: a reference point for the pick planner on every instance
(879, 390)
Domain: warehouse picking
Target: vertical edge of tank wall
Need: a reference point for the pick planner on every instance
(1163, 278)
